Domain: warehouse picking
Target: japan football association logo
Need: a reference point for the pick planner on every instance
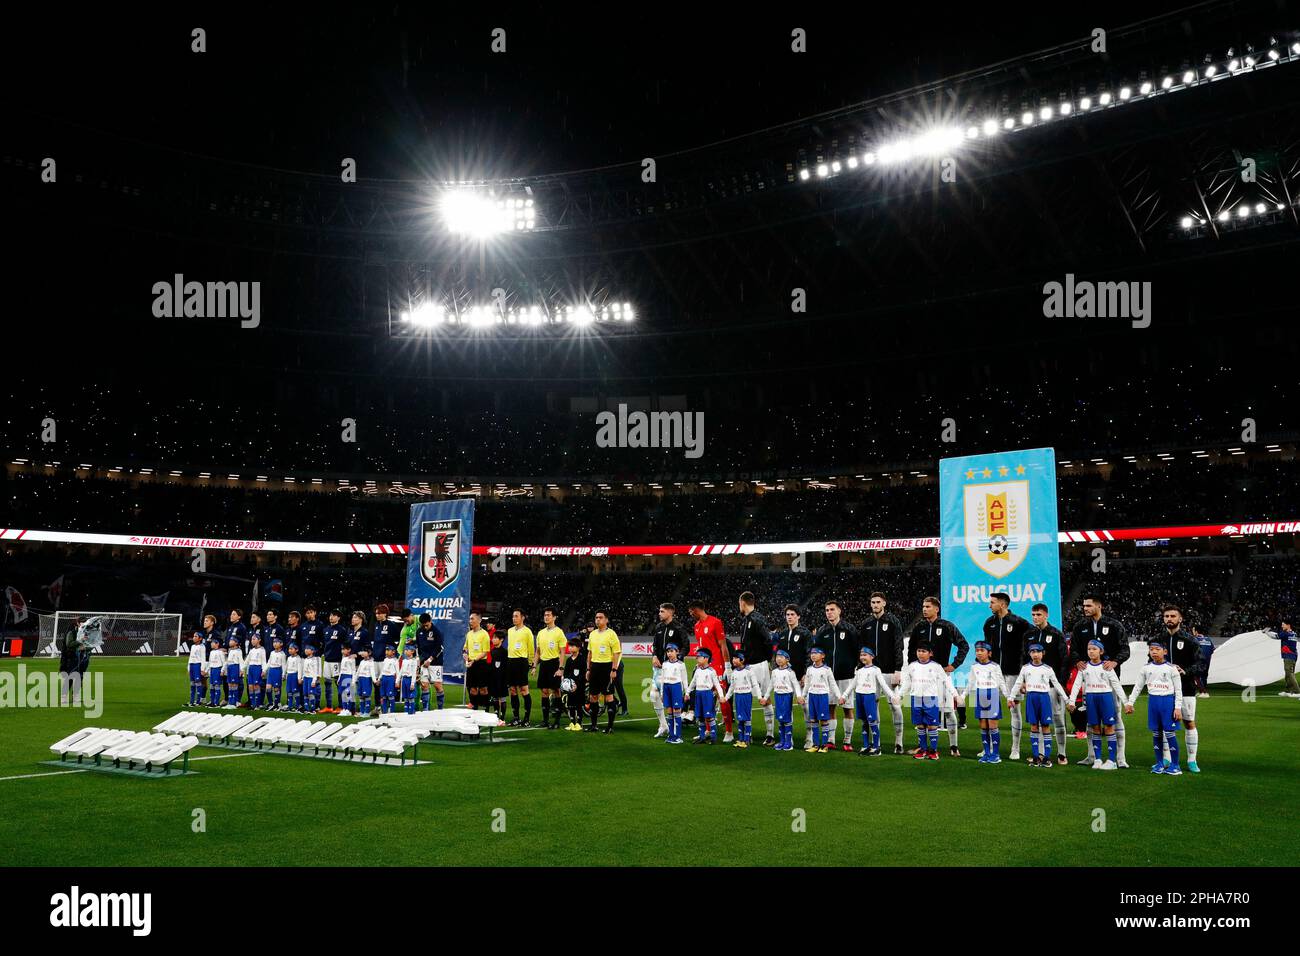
(440, 553)
(997, 525)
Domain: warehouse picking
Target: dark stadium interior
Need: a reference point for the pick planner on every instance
(924, 303)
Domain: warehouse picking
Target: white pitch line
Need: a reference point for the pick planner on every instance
(61, 773)
(55, 773)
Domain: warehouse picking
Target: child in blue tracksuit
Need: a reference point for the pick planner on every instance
(706, 689)
(388, 669)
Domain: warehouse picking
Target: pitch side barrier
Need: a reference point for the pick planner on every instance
(1226, 529)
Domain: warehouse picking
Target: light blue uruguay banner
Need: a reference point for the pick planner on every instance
(438, 572)
(997, 532)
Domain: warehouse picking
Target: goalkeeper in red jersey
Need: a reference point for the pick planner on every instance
(710, 634)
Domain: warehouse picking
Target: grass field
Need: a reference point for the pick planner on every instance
(627, 799)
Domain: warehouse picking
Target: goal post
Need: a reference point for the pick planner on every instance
(125, 633)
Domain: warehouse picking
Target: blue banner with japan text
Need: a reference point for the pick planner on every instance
(998, 532)
(438, 574)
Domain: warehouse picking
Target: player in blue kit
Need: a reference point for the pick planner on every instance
(986, 684)
(1039, 682)
(1164, 706)
(706, 688)
(786, 689)
(333, 637)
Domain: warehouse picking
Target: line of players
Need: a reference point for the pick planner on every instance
(268, 666)
(1013, 655)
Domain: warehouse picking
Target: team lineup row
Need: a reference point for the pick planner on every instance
(581, 676)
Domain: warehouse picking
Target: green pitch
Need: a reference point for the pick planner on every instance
(627, 799)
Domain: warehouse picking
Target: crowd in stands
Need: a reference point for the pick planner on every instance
(1267, 595)
(530, 430)
(1180, 493)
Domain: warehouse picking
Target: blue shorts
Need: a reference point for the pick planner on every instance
(864, 705)
(388, 686)
(819, 707)
(345, 684)
(1038, 708)
(784, 708)
(214, 675)
(363, 688)
(704, 702)
(1100, 709)
(744, 704)
(232, 673)
(1160, 713)
(255, 674)
(988, 703)
(672, 695)
(294, 683)
(408, 683)
(196, 673)
(925, 711)
(274, 676)
(309, 686)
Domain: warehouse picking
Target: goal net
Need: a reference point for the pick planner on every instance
(120, 633)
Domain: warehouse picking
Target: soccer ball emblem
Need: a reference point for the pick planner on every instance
(568, 686)
(998, 544)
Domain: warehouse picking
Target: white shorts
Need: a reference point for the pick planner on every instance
(330, 669)
(762, 672)
(1188, 708)
(846, 690)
